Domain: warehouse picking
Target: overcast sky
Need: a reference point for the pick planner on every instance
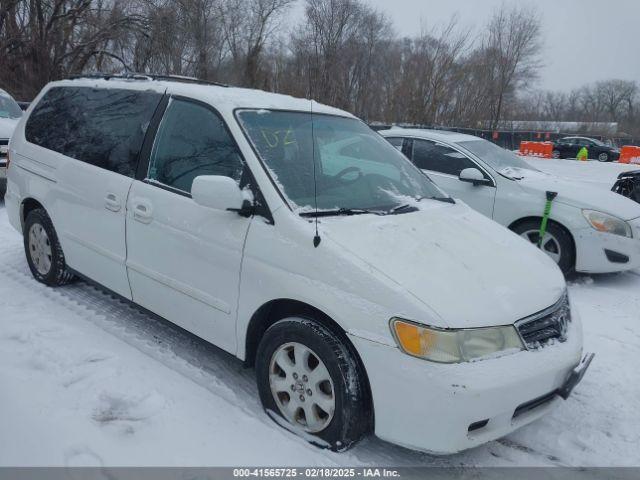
(584, 40)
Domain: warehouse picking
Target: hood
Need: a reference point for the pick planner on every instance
(468, 269)
(7, 126)
(583, 195)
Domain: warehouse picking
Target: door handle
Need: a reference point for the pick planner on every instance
(142, 213)
(112, 203)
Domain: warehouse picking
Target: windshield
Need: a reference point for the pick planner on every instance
(9, 108)
(502, 161)
(355, 168)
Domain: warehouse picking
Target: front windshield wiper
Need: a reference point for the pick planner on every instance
(340, 211)
(405, 208)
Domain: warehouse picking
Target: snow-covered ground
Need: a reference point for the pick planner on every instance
(86, 379)
(598, 174)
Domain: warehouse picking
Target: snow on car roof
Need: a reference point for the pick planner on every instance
(437, 135)
(220, 96)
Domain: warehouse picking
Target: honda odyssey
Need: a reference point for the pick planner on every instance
(292, 236)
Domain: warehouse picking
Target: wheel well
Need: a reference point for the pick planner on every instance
(275, 310)
(28, 205)
(539, 219)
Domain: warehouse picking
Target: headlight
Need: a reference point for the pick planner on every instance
(604, 222)
(453, 346)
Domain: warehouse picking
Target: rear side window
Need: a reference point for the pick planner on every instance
(396, 142)
(192, 140)
(102, 127)
(439, 158)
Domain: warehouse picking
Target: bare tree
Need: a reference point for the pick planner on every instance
(511, 50)
(42, 40)
(248, 26)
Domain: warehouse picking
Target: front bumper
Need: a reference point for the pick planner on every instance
(598, 252)
(444, 409)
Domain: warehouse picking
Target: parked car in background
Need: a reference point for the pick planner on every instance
(291, 235)
(590, 229)
(628, 184)
(10, 113)
(568, 147)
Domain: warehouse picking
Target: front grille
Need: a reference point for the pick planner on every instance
(543, 327)
(4, 147)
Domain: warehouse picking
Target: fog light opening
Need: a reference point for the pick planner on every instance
(477, 425)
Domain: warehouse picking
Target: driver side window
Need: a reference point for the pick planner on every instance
(432, 156)
(192, 140)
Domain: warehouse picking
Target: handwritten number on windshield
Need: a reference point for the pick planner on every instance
(276, 137)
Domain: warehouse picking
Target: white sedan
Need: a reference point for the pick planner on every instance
(589, 230)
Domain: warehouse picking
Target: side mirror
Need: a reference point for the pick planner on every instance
(473, 175)
(218, 192)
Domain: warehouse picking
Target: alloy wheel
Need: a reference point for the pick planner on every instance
(550, 244)
(302, 387)
(40, 248)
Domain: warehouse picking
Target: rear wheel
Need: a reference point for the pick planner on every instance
(557, 242)
(555, 154)
(310, 383)
(43, 250)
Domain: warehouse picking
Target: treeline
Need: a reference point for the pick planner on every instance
(606, 101)
(340, 52)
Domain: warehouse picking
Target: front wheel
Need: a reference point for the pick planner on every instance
(557, 242)
(603, 157)
(309, 379)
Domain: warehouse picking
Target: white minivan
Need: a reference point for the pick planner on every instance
(291, 235)
(590, 230)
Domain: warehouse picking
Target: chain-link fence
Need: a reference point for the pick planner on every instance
(511, 139)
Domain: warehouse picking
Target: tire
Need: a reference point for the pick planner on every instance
(565, 257)
(351, 417)
(43, 251)
(555, 154)
(603, 157)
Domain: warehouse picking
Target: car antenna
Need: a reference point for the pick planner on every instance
(316, 238)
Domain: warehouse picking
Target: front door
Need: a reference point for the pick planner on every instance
(443, 164)
(184, 259)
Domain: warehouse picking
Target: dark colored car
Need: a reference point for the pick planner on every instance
(23, 105)
(628, 184)
(568, 147)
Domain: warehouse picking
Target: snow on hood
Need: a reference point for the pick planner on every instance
(582, 195)
(471, 271)
(7, 126)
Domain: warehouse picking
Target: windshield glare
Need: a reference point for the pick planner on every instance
(501, 160)
(355, 168)
(9, 108)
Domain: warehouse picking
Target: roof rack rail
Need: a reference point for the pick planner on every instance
(145, 76)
